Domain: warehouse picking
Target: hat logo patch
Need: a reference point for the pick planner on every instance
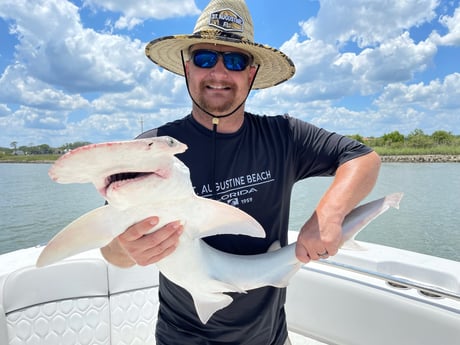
(226, 20)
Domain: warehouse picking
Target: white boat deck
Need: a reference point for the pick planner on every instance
(297, 339)
(85, 301)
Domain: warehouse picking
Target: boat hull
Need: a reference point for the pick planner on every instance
(85, 298)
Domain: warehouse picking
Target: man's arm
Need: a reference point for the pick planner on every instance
(137, 246)
(323, 231)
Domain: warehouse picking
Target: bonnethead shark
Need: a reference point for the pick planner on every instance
(141, 178)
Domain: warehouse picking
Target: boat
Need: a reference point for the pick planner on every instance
(381, 295)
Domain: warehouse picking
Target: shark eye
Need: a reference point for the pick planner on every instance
(171, 142)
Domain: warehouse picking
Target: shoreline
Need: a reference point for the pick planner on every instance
(434, 158)
(27, 162)
(420, 159)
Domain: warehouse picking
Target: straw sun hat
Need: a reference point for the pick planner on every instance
(224, 22)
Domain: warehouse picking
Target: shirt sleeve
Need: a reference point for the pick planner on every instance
(319, 152)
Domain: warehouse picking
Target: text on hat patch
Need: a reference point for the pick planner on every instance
(226, 20)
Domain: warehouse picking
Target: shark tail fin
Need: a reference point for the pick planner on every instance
(364, 214)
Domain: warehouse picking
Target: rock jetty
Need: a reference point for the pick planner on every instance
(421, 159)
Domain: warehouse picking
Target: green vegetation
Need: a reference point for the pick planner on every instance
(416, 143)
(35, 153)
(389, 144)
(8, 158)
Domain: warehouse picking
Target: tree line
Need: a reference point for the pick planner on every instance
(416, 139)
(42, 149)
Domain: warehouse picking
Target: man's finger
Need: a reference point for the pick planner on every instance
(138, 230)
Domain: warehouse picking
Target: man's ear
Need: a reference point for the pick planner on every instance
(252, 73)
(187, 69)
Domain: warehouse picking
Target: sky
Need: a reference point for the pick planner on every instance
(76, 70)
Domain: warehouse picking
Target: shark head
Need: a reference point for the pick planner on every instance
(122, 171)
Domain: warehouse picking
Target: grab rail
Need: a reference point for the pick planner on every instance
(398, 282)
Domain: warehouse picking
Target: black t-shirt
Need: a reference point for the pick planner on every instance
(253, 169)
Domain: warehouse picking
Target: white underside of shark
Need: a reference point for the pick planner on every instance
(159, 184)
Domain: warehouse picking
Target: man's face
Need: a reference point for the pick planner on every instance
(217, 89)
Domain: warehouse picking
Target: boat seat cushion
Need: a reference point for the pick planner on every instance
(31, 286)
(133, 304)
(81, 302)
(54, 305)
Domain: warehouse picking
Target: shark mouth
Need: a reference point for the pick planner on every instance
(125, 176)
(120, 179)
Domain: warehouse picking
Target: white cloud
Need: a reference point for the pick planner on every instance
(58, 62)
(323, 72)
(4, 110)
(28, 125)
(394, 60)
(452, 38)
(16, 86)
(159, 89)
(327, 72)
(433, 106)
(436, 95)
(367, 22)
(389, 54)
(135, 12)
(67, 82)
(54, 48)
(311, 57)
(127, 23)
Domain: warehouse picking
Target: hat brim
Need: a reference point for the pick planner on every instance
(275, 66)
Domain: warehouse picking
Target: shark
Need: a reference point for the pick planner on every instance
(141, 178)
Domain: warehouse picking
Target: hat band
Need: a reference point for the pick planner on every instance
(217, 34)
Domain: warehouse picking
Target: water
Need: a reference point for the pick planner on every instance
(428, 219)
(33, 208)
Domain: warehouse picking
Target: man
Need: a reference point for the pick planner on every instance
(267, 155)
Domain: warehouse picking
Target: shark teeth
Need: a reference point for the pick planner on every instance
(124, 177)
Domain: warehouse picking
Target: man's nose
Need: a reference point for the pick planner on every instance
(219, 67)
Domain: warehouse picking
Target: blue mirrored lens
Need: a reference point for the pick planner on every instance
(205, 58)
(233, 61)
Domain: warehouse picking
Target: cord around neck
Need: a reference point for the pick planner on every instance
(215, 118)
(215, 123)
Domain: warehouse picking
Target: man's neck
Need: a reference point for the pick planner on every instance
(228, 124)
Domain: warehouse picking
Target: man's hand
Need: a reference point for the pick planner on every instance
(137, 246)
(321, 235)
(318, 239)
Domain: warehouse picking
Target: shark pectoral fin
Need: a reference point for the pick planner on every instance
(92, 230)
(220, 218)
(207, 304)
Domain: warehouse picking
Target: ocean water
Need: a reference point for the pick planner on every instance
(33, 208)
(427, 220)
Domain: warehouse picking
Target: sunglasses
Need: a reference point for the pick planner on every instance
(233, 61)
